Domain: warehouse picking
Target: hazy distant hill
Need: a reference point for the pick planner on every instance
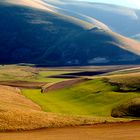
(38, 34)
(123, 20)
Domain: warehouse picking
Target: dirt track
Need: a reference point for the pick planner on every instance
(118, 131)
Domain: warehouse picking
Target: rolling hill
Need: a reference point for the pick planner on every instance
(36, 32)
(18, 113)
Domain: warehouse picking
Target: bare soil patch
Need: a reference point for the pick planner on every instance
(112, 131)
(63, 84)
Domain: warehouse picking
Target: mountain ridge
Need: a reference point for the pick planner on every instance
(41, 37)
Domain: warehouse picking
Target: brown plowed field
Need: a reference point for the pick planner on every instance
(63, 84)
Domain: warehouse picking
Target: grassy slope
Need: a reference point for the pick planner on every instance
(90, 98)
(19, 113)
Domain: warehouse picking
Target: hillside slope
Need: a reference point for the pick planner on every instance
(19, 113)
(33, 35)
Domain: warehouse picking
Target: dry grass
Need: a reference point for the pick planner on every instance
(11, 96)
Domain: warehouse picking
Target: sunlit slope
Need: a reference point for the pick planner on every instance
(43, 37)
(43, 6)
(123, 20)
(86, 20)
(33, 4)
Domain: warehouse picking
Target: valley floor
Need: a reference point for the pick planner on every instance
(67, 103)
(116, 131)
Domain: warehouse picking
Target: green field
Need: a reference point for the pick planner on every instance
(92, 98)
